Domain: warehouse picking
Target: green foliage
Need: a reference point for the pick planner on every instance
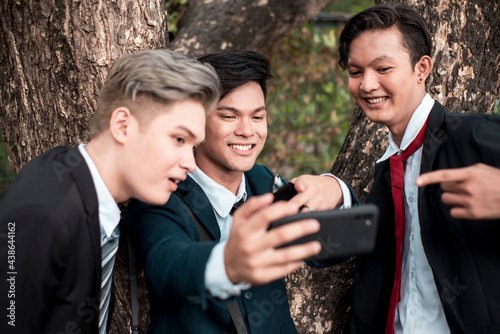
(496, 108)
(352, 6)
(175, 10)
(309, 114)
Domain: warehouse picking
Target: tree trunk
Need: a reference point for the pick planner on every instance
(54, 58)
(208, 26)
(465, 78)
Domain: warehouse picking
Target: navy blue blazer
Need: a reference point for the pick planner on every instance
(168, 245)
(464, 254)
(49, 222)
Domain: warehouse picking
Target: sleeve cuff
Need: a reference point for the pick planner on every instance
(216, 281)
(346, 193)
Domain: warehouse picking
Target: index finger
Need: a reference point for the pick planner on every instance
(442, 175)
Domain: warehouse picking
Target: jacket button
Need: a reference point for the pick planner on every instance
(248, 295)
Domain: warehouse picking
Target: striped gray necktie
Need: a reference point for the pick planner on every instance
(109, 249)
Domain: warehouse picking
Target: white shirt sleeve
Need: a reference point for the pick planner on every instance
(346, 193)
(216, 281)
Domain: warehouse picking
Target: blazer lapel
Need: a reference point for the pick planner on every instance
(433, 138)
(194, 197)
(76, 163)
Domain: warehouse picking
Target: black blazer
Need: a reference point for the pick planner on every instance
(50, 225)
(464, 254)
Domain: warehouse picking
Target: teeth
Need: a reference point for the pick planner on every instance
(377, 100)
(241, 147)
(176, 181)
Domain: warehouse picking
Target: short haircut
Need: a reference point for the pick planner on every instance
(415, 35)
(158, 76)
(238, 67)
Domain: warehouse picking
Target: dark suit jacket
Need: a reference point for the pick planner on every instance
(49, 224)
(464, 254)
(168, 243)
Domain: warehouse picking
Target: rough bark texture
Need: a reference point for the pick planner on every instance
(465, 78)
(211, 25)
(55, 56)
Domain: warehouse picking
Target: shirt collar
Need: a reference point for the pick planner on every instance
(109, 212)
(416, 123)
(221, 198)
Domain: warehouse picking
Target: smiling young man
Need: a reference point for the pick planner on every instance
(430, 272)
(59, 218)
(202, 265)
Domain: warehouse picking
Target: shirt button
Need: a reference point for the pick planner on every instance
(412, 274)
(412, 237)
(413, 312)
(410, 199)
(248, 295)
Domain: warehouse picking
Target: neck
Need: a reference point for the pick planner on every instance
(229, 179)
(103, 159)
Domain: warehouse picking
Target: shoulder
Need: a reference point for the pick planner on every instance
(259, 171)
(259, 179)
(40, 183)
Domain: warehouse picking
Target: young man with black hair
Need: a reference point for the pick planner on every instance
(431, 272)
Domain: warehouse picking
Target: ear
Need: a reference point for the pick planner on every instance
(423, 68)
(120, 123)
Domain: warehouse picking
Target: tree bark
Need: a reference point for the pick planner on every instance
(209, 26)
(465, 78)
(54, 58)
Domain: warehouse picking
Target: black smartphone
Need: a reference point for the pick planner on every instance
(282, 191)
(343, 232)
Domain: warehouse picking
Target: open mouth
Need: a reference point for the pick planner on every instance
(376, 100)
(242, 147)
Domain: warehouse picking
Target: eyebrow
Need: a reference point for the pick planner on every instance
(236, 111)
(189, 132)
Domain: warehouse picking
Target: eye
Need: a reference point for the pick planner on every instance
(384, 69)
(179, 140)
(227, 117)
(258, 118)
(354, 74)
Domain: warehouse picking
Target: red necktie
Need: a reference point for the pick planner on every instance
(398, 163)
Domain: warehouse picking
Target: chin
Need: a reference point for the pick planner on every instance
(157, 200)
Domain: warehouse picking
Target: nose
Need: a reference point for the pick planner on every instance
(245, 127)
(369, 82)
(188, 162)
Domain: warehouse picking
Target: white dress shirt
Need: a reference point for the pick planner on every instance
(419, 311)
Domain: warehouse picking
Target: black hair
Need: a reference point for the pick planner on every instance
(416, 37)
(235, 68)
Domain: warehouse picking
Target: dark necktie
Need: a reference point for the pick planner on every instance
(236, 206)
(398, 164)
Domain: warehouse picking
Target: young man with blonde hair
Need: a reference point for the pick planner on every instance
(59, 218)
